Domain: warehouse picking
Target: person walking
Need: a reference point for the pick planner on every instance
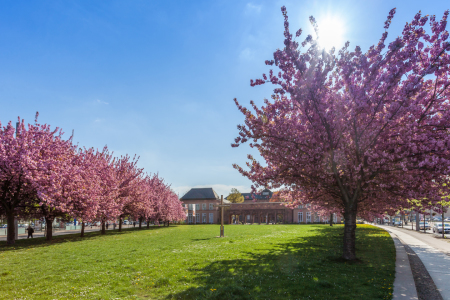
(30, 231)
(114, 225)
(107, 224)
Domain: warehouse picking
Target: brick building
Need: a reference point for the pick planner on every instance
(266, 208)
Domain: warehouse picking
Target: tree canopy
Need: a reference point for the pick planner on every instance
(235, 196)
(43, 175)
(359, 132)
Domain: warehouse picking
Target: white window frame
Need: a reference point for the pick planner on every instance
(211, 218)
(300, 217)
(197, 218)
(189, 218)
(190, 206)
(197, 206)
(204, 218)
(203, 206)
(334, 218)
(308, 217)
(211, 206)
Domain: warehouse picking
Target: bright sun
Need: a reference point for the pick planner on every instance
(331, 33)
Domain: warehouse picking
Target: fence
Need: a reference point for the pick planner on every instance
(3, 231)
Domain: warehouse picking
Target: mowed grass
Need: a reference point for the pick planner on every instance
(190, 262)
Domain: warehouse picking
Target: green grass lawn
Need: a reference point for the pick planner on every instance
(190, 262)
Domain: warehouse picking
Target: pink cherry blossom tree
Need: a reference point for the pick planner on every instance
(360, 132)
(32, 164)
(87, 186)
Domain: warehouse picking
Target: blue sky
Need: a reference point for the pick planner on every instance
(158, 78)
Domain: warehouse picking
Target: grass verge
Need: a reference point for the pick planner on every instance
(190, 262)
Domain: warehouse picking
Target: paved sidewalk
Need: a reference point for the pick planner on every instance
(433, 254)
(38, 234)
(433, 240)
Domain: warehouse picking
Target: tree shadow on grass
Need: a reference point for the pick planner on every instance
(198, 240)
(65, 238)
(301, 268)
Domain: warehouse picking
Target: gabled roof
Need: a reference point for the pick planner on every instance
(200, 194)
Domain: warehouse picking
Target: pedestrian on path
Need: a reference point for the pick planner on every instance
(107, 224)
(30, 231)
(114, 225)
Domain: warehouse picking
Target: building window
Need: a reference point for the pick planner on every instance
(197, 218)
(300, 217)
(203, 206)
(190, 218)
(317, 219)
(204, 217)
(184, 205)
(334, 218)
(248, 217)
(308, 217)
(197, 206)
(190, 206)
(300, 206)
(211, 206)
(211, 218)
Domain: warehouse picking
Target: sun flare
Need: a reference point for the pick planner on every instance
(331, 33)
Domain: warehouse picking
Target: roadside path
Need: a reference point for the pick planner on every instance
(433, 252)
(38, 234)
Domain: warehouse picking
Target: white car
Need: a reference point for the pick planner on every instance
(437, 228)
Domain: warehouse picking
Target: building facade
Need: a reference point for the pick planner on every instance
(202, 208)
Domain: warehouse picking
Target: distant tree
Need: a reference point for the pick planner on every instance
(235, 196)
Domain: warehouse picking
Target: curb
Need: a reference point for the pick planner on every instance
(404, 285)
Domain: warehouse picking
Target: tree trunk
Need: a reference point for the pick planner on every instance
(120, 224)
(140, 223)
(349, 252)
(331, 219)
(103, 227)
(82, 229)
(49, 228)
(11, 230)
(148, 223)
(417, 221)
(168, 222)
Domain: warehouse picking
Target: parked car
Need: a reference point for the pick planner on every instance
(397, 223)
(4, 226)
(437, 228)
(447, 219)
(427, 225)
(126, 222)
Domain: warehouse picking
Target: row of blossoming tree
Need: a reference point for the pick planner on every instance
(360, 133)
(41, 174)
